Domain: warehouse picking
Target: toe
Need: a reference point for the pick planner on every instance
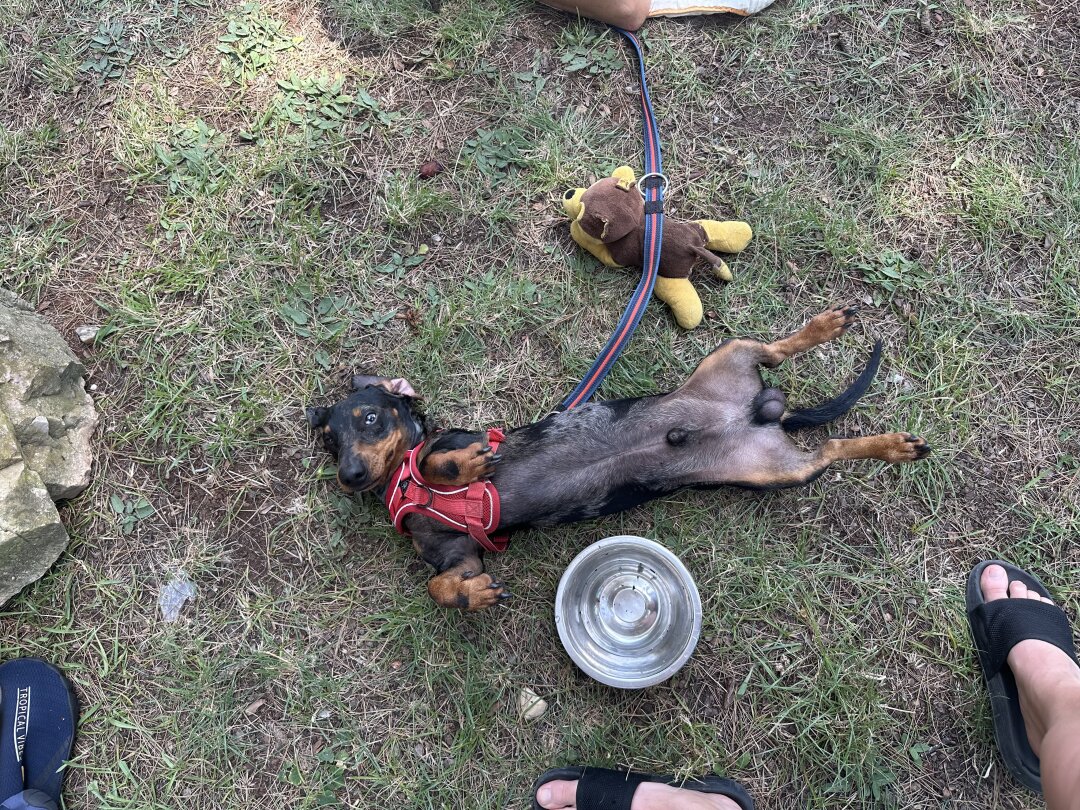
(557, 794)
(921, 446)
(995, 583)
(1017, 590)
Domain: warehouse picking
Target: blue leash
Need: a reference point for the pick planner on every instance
(652, 186)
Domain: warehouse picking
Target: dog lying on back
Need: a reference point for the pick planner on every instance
(722, 427)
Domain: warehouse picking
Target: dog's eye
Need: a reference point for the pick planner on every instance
(370, 419)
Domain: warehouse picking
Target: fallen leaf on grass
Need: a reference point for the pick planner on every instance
(430, 169)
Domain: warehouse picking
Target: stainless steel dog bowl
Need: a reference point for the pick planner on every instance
(628, 612)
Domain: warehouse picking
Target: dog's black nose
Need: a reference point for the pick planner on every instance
(354, 475)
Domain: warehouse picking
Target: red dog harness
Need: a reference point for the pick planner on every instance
(473, 509)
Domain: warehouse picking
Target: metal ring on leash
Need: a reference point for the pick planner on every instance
(644, 177)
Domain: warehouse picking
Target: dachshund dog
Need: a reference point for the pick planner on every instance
(722, 427)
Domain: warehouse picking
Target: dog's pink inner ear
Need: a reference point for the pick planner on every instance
(399, 386)
(394, 386)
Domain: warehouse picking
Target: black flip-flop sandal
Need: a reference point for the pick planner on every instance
(38, 713)
(605, 789)
(997, 627)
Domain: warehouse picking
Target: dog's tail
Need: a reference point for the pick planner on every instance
(838, 406)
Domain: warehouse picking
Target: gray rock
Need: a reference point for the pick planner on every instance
(88, 333)
(9, 445)
(46, 423)
(41, 390)
(36, 431)
(31, 534)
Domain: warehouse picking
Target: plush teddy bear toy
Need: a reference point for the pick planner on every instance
(608, 220)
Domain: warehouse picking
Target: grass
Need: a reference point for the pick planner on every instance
(233, 193)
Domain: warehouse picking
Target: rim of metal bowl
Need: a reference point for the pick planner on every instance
(689, 588)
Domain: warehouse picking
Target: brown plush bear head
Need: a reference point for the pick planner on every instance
(608, 210)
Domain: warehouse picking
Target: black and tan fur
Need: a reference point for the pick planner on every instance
(722, 427)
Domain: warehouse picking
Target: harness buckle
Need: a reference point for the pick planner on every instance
(417, 489)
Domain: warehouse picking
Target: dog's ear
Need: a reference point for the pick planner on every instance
(316, 417)
(364, 380)
(401, 386)
(397, 385)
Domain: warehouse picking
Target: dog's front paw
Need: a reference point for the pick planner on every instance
(482, 592)
(459, 468)
(466, 591)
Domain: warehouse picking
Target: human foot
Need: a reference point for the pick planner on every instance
(562, 795)
(1047, 679)
(579, 788)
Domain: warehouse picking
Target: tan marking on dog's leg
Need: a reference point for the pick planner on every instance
(462, 588)
(822, 328)
(732, 370)
(895, 448)
(787, 466)
(458, 468)
(736, 360)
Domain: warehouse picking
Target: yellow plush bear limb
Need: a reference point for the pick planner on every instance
(680, 295)
(727, 237)
(625, 176)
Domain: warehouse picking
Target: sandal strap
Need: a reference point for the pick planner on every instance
(605, 789)
(1007, 622)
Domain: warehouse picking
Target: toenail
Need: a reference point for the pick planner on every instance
(543, 795)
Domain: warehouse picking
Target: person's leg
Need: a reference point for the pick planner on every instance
(1049, 686)
(628, 14)
(561, 795)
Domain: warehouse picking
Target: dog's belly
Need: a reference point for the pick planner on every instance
(626, 497)
(569, 498)
(595, 460)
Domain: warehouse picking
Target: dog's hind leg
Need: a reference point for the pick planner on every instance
(731, 371)
(769, 460)
(822, 328)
